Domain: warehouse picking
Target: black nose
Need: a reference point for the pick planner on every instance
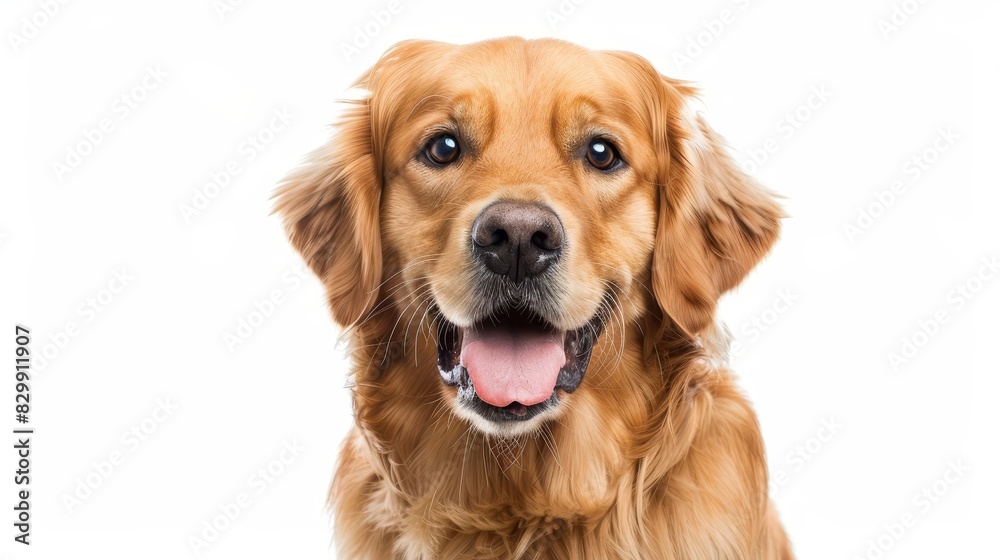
(517, 240)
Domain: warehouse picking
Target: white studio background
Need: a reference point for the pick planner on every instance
(867, 340)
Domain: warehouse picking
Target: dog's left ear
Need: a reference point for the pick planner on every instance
(715, 221)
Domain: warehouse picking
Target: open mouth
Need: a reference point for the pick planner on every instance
(511, 366)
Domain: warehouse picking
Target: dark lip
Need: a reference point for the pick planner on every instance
(468, 398)
(578, 344)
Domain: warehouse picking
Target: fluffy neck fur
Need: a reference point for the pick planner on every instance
(418, 482)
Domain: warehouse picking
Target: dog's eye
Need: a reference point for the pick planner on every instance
(602, 155)
(442, 149)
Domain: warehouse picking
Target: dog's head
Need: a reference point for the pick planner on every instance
(523, 198)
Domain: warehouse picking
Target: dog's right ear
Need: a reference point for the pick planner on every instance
(330, 207)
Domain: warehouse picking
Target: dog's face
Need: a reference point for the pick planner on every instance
(523, 198)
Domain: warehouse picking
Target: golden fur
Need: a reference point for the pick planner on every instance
(657, 454)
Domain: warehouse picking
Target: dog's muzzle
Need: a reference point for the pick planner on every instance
(511, 364)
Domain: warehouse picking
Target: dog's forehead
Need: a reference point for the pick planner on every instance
(522, 74)
(514, 84)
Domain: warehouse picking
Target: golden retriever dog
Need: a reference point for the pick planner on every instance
(525, 242)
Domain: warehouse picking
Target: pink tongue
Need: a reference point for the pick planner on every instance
(507, 367)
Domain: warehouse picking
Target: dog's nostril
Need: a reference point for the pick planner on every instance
(499, 236)
(487, 234)
(547, 242)
(517, 240)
